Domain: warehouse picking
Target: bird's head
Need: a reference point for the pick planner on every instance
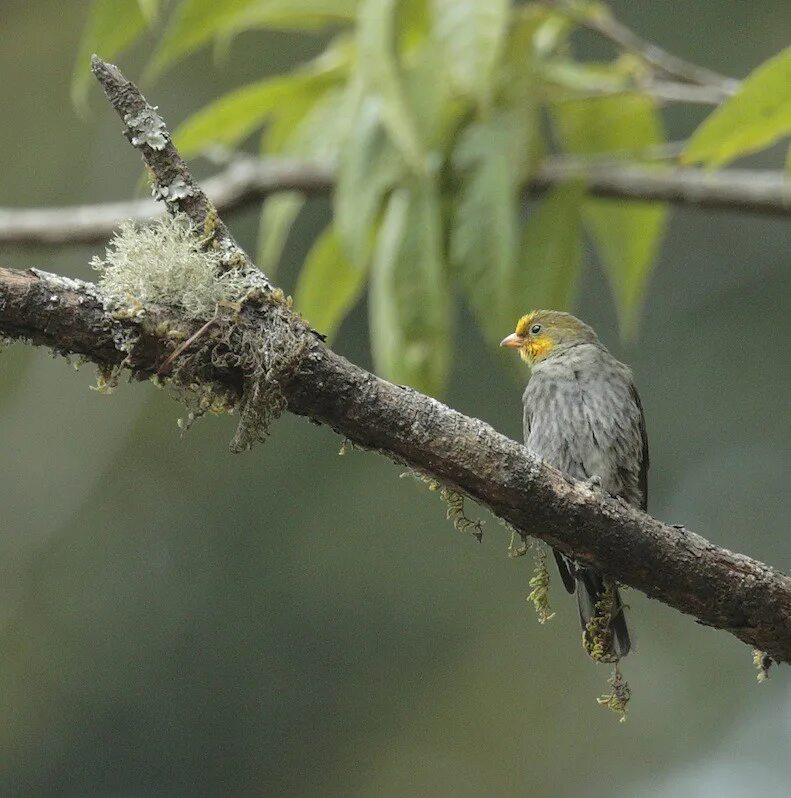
(542, 333)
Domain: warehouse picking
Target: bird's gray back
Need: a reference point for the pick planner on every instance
(582, 415)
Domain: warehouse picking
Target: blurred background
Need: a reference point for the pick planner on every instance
(175, 620)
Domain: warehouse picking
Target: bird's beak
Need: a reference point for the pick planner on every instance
(512, 341)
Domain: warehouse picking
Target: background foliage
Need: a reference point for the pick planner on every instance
(175, 620)
(435, 112)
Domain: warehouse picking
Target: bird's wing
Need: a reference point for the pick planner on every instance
(642, 479)
(526, 415)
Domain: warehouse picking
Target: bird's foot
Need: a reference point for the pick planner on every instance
(592, 482)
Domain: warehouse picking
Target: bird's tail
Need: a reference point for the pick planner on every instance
(604, 631)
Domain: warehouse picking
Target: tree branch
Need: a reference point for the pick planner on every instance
(244, 181)
(720, 588)
(602, 21)
(248, 180)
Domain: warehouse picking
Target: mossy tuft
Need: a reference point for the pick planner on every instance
(597, 638)
(250, 330)
(617, 700)
(539, 584)
(165, 263)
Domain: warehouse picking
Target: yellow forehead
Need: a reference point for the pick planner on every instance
(523, 325)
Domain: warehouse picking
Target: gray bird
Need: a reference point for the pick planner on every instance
(582, 415)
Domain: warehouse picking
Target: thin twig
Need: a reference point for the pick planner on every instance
(244, 181)
(602, 21)
(167, 364)
(172, 181)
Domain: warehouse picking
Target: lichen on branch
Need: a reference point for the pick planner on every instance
(165, 263)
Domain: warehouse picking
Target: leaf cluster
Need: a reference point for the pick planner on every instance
(435, 113)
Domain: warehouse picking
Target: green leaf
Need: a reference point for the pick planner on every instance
(626, 234)
(369, 166)
(471, 33)
(278, 215)
(112, 26)
(755, 117)
(293, 15)
(483, 237)
(150, 10)
(193, 24)
(317, 135)
(234, 116)
(329, 285)
(550, 251)
(429, 94)
(285, 99)
(379, 69)
(310, 122)
(409, 300)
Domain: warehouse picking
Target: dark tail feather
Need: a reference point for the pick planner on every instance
(591, 587)
(566, 570)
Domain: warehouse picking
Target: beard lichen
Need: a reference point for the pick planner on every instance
(165, 263)
(263, 343)
(454, 502)
(539, 588)
(259, 345)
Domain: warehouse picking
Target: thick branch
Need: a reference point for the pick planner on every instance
(248, 180)
(722, 589)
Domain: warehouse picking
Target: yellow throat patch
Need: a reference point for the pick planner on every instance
(535, 349)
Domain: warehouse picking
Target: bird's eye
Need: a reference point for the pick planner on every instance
(535, 329)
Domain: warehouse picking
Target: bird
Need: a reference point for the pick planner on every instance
(583, 415)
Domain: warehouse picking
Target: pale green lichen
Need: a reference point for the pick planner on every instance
(617, 700)
(762, 662)
(539, 584)
(454, 502)
(164, 263)
(148, 128)
(250, 329)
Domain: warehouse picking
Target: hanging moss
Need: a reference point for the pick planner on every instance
(597, 639)
(454, 502)
(539, 584)
(617, 700)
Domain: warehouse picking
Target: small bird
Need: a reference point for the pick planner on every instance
(582, 415)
